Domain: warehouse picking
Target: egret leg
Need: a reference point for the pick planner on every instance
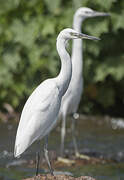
(37, 162)
(77, 154)
(63, 133)
(47, 155)
(74, 118)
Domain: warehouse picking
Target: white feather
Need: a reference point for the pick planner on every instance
(38, 116)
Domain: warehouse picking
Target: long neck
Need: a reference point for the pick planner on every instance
(64, 77)
(77, 47)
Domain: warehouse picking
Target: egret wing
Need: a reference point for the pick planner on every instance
(38, 116)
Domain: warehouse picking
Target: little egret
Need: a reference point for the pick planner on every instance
(40, 112)
(72, 97)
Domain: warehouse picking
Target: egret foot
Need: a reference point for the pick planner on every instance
(66, 160)
(82, 156)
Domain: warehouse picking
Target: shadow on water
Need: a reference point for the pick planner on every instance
(100, 138)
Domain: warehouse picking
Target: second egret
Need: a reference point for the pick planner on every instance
(72, 97)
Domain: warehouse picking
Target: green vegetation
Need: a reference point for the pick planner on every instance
(28, 31)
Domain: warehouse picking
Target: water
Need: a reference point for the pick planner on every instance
(97, 137)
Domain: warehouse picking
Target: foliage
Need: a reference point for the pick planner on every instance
(28, 54)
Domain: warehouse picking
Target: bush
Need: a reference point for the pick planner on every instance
(28, 34)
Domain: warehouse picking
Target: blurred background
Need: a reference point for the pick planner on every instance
(28, 32)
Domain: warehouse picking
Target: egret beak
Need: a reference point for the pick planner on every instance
(84, 36)
(95, 13)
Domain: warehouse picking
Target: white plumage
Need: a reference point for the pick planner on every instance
(41, 110)
(35, 123)
(72, 97)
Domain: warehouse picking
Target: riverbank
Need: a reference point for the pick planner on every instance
(59, 177)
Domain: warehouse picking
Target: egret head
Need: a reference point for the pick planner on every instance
(84, 12)
(69, 33)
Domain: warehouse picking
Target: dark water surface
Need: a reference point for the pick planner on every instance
(97, 137)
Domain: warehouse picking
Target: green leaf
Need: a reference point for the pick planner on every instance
(25, 33)
(53, 6)
(49, 27)
(8, 5)
(118, 20)
(113, 66)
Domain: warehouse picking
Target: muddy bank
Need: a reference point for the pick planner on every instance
(59, 177)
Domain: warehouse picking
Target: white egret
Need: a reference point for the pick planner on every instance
(72, 97)
(40, 112)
